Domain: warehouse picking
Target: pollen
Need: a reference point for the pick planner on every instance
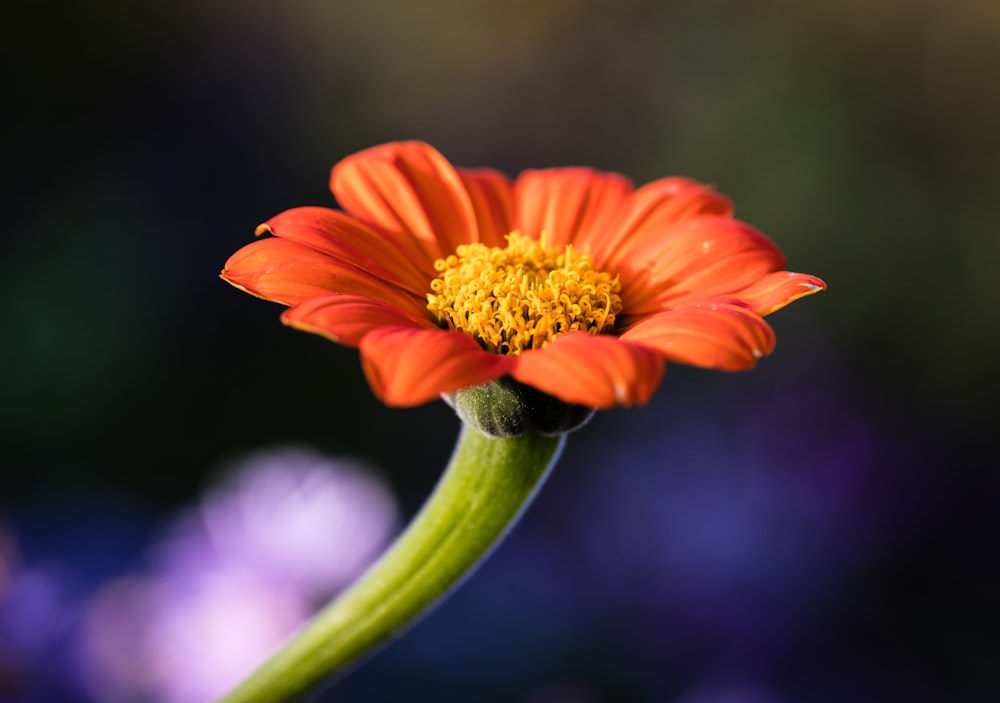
(523, 295)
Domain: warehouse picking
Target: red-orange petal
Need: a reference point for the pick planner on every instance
(346, 319)
(492, 196)
(703, 257)
(776, 290)
(407, 366)
(289, 273)
(572, 205)
(656, 207)
(595, 371)
(384, 254)
(407, 187)
(718, 335)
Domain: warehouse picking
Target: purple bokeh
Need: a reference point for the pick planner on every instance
(709, 552)
(233, 577)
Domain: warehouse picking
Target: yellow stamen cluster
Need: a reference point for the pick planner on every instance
(523, 295)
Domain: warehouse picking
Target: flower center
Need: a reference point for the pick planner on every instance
(523, 295)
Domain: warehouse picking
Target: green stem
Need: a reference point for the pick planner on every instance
(486, 486)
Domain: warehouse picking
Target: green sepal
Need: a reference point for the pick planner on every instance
(507, 408)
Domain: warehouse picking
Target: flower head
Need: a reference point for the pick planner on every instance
(568, 280)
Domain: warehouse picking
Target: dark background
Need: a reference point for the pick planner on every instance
(821, 529)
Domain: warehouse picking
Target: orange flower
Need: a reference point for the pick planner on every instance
(566, 279)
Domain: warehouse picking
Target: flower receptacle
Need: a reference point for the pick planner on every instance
(507, 408)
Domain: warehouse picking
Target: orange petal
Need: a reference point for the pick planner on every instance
(384, 254)
(718, 335)
(654, 207)
(407, 187)
(346, 319)
(704, 257)
(776, 290)
(492, 196)
(595, 371)
(571, 205)
(407, 366)
(289, 273)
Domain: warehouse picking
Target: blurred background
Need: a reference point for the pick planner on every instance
(184, 479)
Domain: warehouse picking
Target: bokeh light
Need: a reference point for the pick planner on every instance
(229, 581)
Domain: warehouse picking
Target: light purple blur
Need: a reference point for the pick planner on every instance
(279, 534)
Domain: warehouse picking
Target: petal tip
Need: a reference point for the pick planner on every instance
(234, 279)
(815, 285)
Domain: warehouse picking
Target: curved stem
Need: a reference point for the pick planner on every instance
(486, 486)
